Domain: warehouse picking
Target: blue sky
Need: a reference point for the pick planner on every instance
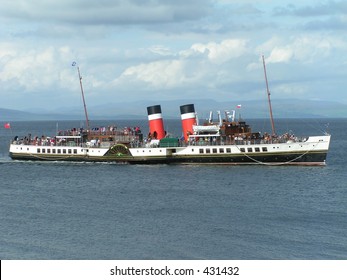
(169, 50)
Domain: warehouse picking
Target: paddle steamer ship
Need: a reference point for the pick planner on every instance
(225, 141)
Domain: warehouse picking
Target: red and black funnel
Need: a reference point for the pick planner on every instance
(155, 120)
(188, 118)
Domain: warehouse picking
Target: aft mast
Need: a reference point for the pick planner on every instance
(84, 102)
(269, 100)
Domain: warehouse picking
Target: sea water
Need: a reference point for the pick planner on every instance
(64, 210)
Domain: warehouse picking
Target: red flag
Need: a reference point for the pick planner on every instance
(7, 125)
(238, 106)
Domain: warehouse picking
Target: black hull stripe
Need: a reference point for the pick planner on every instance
(313, 158)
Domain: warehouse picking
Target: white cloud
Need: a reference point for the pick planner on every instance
(161, 50)
(6, 52)
(200, 66)
(304, 49)
(33, 70)
(220, 53)
(161, 74)
(312, 48)
(283, 54)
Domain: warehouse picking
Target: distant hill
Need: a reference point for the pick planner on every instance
(17, 115)
(289, 108)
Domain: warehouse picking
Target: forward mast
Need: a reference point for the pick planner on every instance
(269, 99)
(83, 99)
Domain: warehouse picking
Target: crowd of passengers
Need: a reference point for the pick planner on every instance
(240, 139)
(103, 130)
(266, 138)
(38, 141)
(55, 141)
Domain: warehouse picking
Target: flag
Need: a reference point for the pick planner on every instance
(7, 125)
(238, 106)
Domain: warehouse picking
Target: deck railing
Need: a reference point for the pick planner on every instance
(135, 141)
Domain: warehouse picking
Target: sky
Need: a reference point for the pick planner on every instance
(130, 50)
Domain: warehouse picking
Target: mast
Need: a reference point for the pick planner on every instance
(269, 100)
(84, 102)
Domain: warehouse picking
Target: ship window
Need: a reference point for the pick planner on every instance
(38, 150)
(201, 151)
(242, 150)
(59, 151)
(221, 150)
(208, 151)
(214, 150)
(43, 150)
(228, 150)
(75, 151)
(48, 151)
(64, 151)
(69, 151)
(257, 149)
(53, 151)
(264, 149)
(249, 150)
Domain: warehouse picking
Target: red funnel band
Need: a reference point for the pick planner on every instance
(156, 125)
(156, 129)
(187, 127)
(188, 120)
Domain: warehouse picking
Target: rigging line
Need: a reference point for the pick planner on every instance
(280, 163)
(317, 126)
